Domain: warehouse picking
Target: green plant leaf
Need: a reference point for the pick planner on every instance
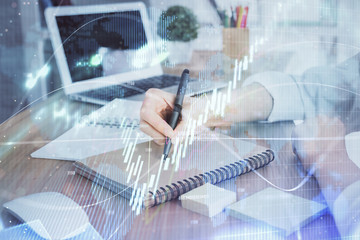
(178, 23)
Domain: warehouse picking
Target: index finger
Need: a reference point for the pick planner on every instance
(157, 123)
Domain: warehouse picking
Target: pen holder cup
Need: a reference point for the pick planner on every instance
(235, 46)
(236, 42)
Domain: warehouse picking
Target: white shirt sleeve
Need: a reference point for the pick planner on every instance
(352, 143)
(346, 209)
(287, 101)
(346, 212)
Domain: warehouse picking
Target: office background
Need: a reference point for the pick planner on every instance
(297, 34)
(289, 36)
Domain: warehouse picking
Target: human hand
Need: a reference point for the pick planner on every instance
(155, 111)
(318, 137)
(157, 108)
(320, 145)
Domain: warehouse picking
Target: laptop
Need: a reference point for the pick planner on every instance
(108, 51)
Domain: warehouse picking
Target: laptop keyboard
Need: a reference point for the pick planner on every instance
(124, 90)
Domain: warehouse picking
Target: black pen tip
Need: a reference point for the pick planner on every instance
(186, 71)
(165, 157)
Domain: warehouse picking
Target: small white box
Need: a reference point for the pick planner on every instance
(283, 211)
(207, 200)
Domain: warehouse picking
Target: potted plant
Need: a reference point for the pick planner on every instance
(179, 26)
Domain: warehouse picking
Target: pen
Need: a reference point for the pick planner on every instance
(220, 12)
(232, 19)
(244, 17)
(239, 18)
(177, 108)
(226, 20)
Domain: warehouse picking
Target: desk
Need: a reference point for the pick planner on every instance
(111, 215)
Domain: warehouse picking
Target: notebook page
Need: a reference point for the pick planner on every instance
(85, 140)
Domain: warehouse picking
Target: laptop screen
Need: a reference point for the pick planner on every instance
(98, 45)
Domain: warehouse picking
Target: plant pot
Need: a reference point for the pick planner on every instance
(180, 52)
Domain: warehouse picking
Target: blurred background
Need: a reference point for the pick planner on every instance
(288, 36)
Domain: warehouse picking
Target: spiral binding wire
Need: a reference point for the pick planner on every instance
(228, 171)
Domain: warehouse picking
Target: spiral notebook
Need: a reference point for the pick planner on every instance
(139, 173)
(101, 131)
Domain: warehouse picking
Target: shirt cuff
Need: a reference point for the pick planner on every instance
(287, 102)
(346, 210)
